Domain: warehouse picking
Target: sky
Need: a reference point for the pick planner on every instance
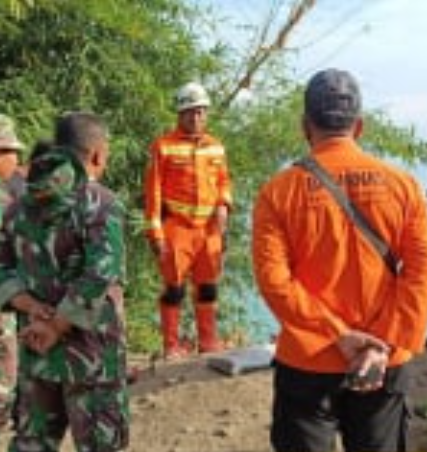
(380, 41)
(382, 44)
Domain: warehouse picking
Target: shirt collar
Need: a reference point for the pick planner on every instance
(335, 144)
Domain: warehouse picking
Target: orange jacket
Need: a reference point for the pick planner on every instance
(320, 276)
(186, 177)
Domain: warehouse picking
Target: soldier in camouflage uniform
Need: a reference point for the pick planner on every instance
(9, 148)
(61, 269)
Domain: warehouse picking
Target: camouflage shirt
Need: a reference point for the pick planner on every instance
(66, 249)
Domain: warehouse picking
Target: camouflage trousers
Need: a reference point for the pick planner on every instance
(97, 415)
(8, 365)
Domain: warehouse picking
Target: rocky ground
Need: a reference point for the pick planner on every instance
(188, 407)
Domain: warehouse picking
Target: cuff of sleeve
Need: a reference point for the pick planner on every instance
(82, 318)
(336, 326)
(225, 202)
(400, 337)
(155, 235)
(8, 290)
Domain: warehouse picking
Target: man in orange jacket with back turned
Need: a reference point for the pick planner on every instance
(187, 201)
(339, 306)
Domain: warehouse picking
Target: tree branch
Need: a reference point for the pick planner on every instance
(263, 52)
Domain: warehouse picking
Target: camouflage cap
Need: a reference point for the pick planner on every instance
(8, 138)
(332, 99)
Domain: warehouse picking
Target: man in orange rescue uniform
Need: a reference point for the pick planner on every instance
(340, 309)
(187, 202)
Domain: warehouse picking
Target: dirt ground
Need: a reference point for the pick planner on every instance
(187, 407)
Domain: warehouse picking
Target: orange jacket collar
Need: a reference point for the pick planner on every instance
(336, 144)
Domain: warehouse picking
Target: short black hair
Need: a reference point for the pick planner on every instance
(332, 100)
(78, 130)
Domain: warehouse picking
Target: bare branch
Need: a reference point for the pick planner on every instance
(263, 52)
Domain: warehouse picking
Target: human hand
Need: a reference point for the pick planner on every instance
(158, 247)
(28, 304)
(39, 336)
(367, 371)
(353, 342)
(221, 217)
(42, 335)
(39, 311)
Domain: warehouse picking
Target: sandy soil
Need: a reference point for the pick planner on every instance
(187, 407)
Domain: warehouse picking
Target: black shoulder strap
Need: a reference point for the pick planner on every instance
(392, 261)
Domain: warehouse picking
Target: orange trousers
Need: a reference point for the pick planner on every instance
(193, 252)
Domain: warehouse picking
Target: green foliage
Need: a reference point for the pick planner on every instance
(385, 138)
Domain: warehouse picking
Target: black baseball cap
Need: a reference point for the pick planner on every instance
(332, 100)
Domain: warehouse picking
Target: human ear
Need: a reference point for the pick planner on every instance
(305, 126)
(358, 128)
(95, 158)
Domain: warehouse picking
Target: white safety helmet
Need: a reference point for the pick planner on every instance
(191, 95)
(8, 137)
